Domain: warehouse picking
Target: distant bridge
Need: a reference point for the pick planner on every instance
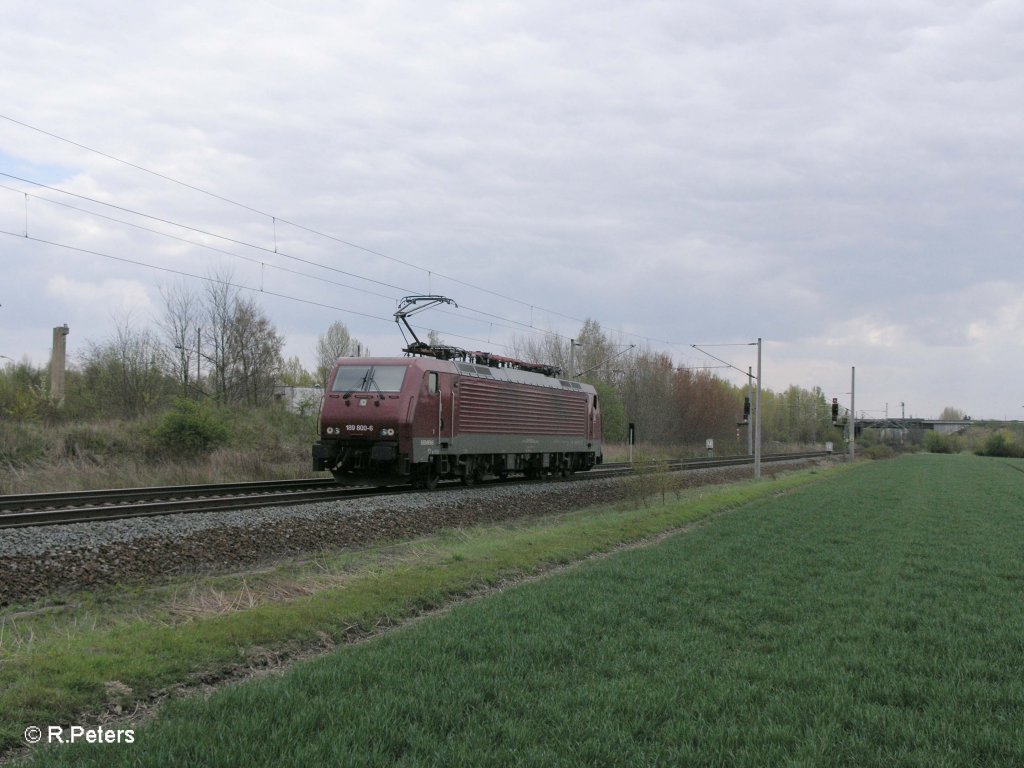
(942, 426)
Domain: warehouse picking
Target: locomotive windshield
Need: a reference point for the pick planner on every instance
(369, 378)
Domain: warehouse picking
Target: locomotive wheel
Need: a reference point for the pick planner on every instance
(426, 478)
(473, 475)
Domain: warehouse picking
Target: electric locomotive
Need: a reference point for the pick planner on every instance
(421, 419)
(443, 412)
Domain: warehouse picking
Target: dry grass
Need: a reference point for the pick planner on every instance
(36, 458)
(203, 600)
(300, 578)
(222, 466)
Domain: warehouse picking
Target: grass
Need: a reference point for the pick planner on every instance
(264, 444)
(58, 662)
(872, 619)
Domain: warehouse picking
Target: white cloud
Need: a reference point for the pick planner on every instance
(842, 179)
(113, 297)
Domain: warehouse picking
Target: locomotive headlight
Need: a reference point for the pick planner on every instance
(387, 432)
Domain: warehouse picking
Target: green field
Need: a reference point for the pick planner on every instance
(71, 657)
(873, 618)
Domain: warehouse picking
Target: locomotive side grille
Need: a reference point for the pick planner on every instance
(486, 407)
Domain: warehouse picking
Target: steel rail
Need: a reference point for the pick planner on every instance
(90, 514)
(23, 501)
(58, 508)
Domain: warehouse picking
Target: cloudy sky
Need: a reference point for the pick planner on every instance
(845, 180)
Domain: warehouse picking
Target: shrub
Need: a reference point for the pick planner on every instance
(879, 451)
(190, 429)
(650, 478)
(1001, 444)
(938, 443)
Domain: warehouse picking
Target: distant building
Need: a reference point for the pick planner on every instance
(951, 427)
(302, 400)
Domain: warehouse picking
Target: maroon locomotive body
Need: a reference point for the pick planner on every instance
(420, 419)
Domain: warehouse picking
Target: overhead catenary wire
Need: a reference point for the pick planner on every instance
(528, 328)
(180, 272)
(403, 289)
(197, 244)
(214, 279)
(220, 281)
(726, 363)
(275, 219)
(198, 230)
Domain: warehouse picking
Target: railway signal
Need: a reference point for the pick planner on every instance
(746, 415)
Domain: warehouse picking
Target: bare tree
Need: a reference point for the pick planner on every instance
(591, 352)
(647, 387)
(125, 374)
(254, 353)
(334, 343)
(294, 374)
(240, 343)
(180, 325)
(594, 352)
(219, 310)
(548, 349)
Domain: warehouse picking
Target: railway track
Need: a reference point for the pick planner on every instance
(89, 506)
(37, 509)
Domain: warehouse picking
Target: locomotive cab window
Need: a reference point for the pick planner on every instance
(432, 385)
(369, 378)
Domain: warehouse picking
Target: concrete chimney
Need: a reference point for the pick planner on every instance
(57, 364)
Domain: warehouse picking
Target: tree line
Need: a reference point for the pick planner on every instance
(676, 406)
(218, 346)
(215, 345)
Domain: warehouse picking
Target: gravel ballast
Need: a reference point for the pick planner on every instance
(39, 561)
